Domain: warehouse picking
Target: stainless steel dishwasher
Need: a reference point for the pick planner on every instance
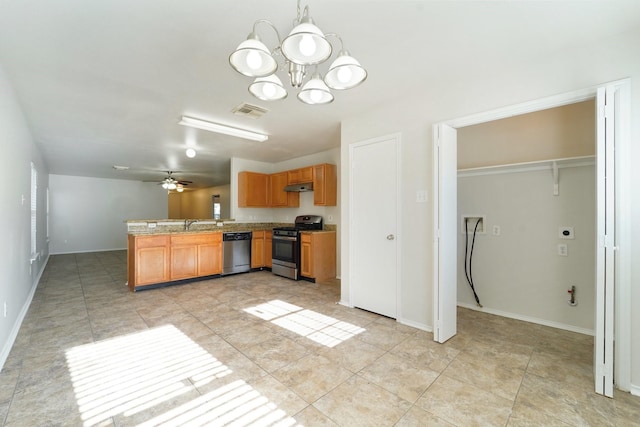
(236, 252)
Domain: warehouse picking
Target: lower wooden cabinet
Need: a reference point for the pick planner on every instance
(147, 260)
(268, 248)
(195, 255)
(261, 249)
(318, 255)
(164, 258)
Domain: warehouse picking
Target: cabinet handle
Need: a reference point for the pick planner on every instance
(391, 237)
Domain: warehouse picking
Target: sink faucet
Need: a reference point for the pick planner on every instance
(188, 223)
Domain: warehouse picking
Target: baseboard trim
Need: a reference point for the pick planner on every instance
(88, 251)
(23, 312)
(417, 325)
(635, 390)
(529, 319)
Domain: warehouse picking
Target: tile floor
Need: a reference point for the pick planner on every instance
(256, 349)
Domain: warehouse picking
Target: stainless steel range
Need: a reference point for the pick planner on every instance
(286, 245)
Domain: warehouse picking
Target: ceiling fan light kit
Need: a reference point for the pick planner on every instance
(224, 129)
(305, 46)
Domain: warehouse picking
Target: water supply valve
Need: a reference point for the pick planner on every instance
(572, 292)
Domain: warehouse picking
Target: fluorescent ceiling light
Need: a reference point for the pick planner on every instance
(224, 129)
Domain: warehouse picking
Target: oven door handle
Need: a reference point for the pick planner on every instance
(291, 239)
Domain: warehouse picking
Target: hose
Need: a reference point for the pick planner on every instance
(468, 255)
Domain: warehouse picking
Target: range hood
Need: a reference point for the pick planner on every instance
(299, 188)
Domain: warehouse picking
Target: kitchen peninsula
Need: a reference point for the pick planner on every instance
(166, 251)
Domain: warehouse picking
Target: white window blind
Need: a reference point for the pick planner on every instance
(34, 210)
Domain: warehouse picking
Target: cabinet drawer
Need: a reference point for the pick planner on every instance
(305, 237)
(151, 241)
(196, 239)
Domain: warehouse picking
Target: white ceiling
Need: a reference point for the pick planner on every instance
(104, 82)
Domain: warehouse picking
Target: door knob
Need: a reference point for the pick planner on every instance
(391, 237)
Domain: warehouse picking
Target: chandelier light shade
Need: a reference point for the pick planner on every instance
(268, 88)
(315, 91)
(305, 46)
(252, 58)
(345, 72)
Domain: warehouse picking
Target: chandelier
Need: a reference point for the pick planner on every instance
(305, 47)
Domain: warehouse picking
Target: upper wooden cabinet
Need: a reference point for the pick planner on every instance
(253, 190)
(259, 190)
(325, 185)
(279, 197)
(300, 176)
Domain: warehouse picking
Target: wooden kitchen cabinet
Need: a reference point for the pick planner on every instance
(253, 190)
(268, 248)
(300, 176)
(154, 259)
(195, 255)
(210, 256)
(147, 260)
(257, 249)
(318, 255)
(261, 249)
(279, 197)
(325, 188)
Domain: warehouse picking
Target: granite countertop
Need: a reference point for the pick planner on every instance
(177, 226)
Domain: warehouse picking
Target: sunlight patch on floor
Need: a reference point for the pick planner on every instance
(133, 373)
(318, 327)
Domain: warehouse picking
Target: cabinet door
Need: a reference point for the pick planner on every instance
(279, 197)
(209, 259)
(150, 260)
(184, 262)
(257, 249)
(306, 255)
(325, 185)
(253, 190)
(268, 248)
(300, 176)
(151, 265)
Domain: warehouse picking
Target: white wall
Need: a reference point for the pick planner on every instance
(519, 273)
(414, 115)
(18, 276)
(89, 214)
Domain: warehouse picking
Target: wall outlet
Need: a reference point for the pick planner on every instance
(562, 249)
(496, 230)
(421, 196)
(330, 218)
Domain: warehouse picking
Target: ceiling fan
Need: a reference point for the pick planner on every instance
(171, 183)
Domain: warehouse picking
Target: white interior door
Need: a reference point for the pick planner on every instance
(605, 253)
(374, 225)
(445, 231)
